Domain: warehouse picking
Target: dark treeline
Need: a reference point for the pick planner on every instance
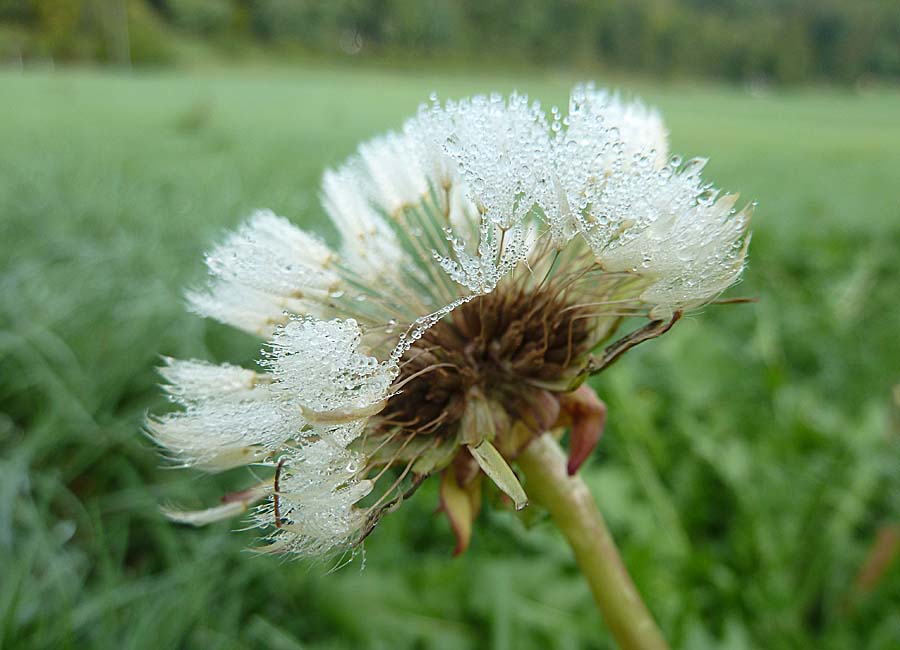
(783, 41)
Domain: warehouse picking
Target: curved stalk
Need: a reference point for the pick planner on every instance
(575, 513)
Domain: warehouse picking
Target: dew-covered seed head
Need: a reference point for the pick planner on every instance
(483, 253)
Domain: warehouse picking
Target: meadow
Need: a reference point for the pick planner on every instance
(750, 466)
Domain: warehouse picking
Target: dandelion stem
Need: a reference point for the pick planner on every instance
(575, 513)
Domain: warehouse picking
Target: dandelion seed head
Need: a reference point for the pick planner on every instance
(486, 249)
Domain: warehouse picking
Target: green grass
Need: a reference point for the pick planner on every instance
(750, 460)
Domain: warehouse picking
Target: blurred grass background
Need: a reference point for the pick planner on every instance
(759, 41)
(749, 469)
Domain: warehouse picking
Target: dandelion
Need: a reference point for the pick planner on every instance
(489, 255)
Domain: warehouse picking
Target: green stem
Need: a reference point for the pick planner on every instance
(575, 512)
